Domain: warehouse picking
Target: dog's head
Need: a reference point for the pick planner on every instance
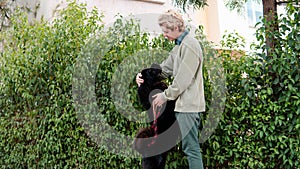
(151, 75)
(152, 80)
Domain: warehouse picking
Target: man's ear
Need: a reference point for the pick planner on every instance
(176, 28)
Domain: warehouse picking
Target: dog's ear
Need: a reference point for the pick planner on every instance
(155, 66)
(158, 71)
(151, 75)
(156, 74)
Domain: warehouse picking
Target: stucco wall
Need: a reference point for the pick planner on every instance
(110, 8)
(146, 10)
(215, 18)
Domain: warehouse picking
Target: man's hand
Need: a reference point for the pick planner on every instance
(159, 99)
(138, 79)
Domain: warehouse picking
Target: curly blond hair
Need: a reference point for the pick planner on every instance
(171, 19)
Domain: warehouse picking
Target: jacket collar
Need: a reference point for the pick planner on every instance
(181, 37)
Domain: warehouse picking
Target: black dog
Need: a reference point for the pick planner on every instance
(152, 85)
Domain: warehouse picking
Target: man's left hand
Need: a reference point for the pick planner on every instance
(159, 99)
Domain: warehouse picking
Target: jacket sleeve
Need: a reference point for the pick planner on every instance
(189, 62)
(167, 67)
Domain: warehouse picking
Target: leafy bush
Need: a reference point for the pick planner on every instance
(260, 126)
(39, 126)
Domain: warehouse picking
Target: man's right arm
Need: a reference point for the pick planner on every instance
(167, 67)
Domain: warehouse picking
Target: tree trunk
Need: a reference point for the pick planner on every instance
(270, 14)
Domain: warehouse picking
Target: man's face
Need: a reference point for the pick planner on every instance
(171, 35)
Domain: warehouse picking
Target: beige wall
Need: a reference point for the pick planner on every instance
(232, 21)
(146, 10)
(215, 18)
(209, 18)
(110, 8)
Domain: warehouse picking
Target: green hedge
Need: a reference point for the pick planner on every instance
(41, 125)
(260, 124)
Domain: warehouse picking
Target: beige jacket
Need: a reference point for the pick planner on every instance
(185, 64)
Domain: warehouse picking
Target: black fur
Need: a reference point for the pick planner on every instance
(152, 85)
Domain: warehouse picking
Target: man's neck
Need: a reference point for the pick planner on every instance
(179, 39)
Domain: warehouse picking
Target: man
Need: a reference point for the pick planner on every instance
(185, 65)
